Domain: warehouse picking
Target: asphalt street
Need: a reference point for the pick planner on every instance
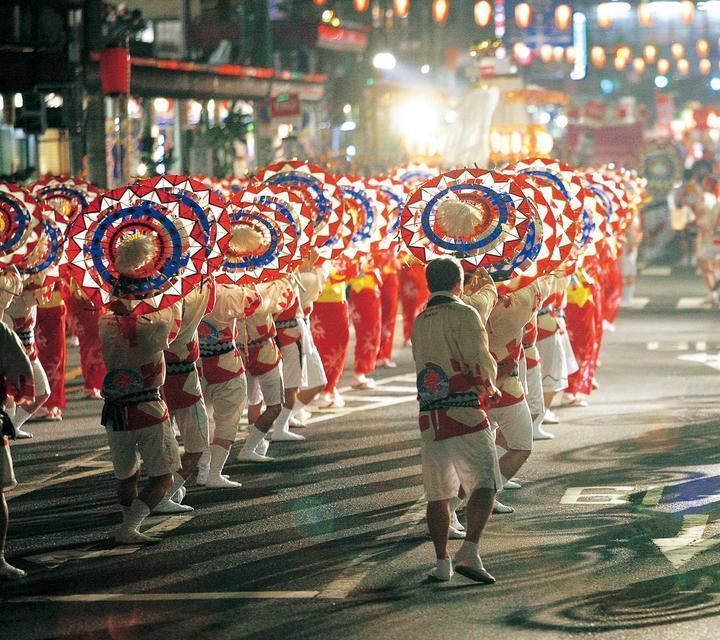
(616, 532)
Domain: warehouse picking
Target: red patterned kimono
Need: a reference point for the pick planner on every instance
(389, 293)
(83, 322)
(414, 295)
(581, 321)
(366, 315)
(330, 325)
(612, 290)
(50, 336)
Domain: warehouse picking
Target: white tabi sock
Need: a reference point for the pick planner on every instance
(253, 439)
(178, 483)
(297, 407)
(469, 555)
(136, 513)
(21, 416)
(281, 424)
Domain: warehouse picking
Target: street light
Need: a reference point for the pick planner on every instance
(384, 61)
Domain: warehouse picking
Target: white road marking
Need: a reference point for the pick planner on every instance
(701, 345)
(87, 461)
(657, 271)
(169, 597)
(163, 524)
(638, 303)
(597, 495)
(691, 303)
(709, 360)
(688, 542)
(653, 346)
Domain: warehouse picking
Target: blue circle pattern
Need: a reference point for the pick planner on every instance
(549, 176)
(364, 232)
(49, 192)
(200, 213)
(400, 202)
(283, 209)
(409, 176)
(605, 199)
(53, 254)
(23, 221)
(587, 229)
(255, 262)
(322, 202)
(533, 242)
(502, 201)
(138, 287)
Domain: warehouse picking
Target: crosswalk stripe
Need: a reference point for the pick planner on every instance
(638, 303)
(657, 271)
(168, 597)
(691, 303)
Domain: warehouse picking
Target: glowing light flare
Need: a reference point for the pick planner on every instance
(687, 11)
(319, 3)
(571, 54)
(482, 13)
(683, 67)
(558, 54)
(523, 15)
(546, 53)
(702, 47)
(563, 16)
(663, 66)
(705, 66)
(644, 14)
(401, 8)
(639, 65)
(604, 16)
(440, 11)
(650, 53)
(620, 63)
(677, 50)
(361, 6)
(598, 57)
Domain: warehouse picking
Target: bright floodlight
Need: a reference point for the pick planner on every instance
(661, 82)
(715, 84)
(384, 60)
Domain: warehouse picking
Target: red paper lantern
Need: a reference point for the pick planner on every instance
(482, 13)
(361, 6)
(523, 15)
(644, 14)
(440, 10)
(563, 16)
(401, 8)
(319, 3)
(115, 70)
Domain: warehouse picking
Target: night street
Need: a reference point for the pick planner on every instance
(615, 532)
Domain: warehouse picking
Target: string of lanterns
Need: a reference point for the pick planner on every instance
(622, 56)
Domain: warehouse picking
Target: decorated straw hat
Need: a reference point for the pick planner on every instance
(413, 174)
(481, 217)
(320, 189)
(137, 244)
(540, 239)
(263, 245)
(41, 265)
(69, 197)
(393, 194)
(20, 223)
(364, 200)
(208, 206)
(286, 203)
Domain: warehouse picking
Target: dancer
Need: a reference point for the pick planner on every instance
(413, 294)
(183, 394)
(52, 351)
(455, 376)
(388, 262)
(224, 385)
(330, 324)
(264, 365)
(366, 316)
(16, 376)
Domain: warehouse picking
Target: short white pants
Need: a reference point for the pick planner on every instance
(156, 446)
(315, 371)
(40, 379)
(267, 386)
(468, 460)
(192, 422)
(554, 364)
(7, 474)
(225, 403)
(534, 394)
(515, 423)
(292, 362)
